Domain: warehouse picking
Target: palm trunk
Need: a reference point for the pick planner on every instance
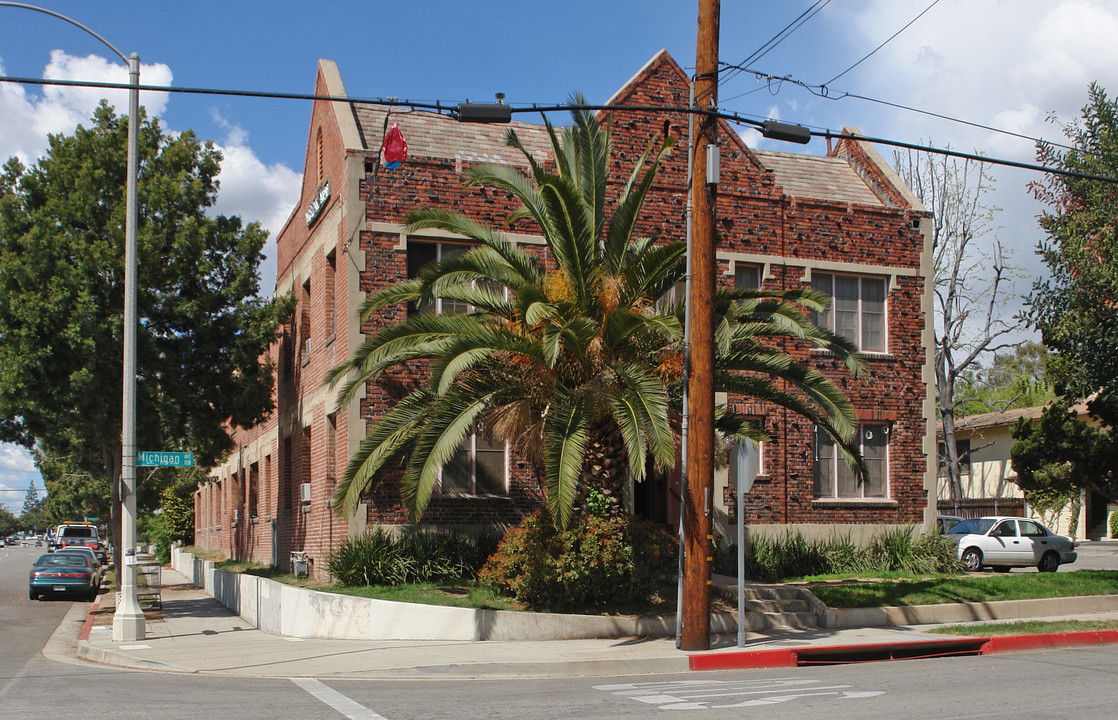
(605, 468)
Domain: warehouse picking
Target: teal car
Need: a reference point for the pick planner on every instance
(64, 573)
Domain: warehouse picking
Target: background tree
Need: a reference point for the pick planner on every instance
(970, 278)
(8, 522)
(203, 327)
(1059, 457)
(1015, 378)
(31, 501)
(173, 520)
(577, 364)
(1076, 309)
(72, 492)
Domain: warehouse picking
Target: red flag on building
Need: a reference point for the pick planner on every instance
(394, 148)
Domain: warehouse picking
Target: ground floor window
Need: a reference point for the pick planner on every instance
(835, 479)
(480, 467)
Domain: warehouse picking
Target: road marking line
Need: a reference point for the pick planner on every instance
(350, 708)
(135, 647)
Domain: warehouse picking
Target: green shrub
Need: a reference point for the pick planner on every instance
(1114, 524)
(891, 550)
(379, 558)
(598, 562)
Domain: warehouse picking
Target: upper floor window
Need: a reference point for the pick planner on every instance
(835, 479)
(857, 310)
(419, 254)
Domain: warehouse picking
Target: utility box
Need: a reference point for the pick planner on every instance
(300, 563)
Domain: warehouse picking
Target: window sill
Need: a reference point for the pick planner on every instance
(472, 496)
(867, 354)
(328, 341)
(853, 502)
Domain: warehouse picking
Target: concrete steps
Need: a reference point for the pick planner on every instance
(775, 606)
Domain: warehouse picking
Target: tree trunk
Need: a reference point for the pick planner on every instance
(605, 468)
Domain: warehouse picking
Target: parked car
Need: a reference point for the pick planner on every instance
(946, 522)
(84, 551)
(1002, 542)
(64, 573)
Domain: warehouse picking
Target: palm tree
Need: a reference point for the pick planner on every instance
(575, 358)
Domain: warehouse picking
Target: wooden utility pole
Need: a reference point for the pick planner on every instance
(697, 503)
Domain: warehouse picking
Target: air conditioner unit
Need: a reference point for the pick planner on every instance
(305, 492)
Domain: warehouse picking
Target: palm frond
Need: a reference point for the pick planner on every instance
(451, 419)
(565, 432)
(393, 433)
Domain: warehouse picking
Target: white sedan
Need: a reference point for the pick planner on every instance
(1005, 542)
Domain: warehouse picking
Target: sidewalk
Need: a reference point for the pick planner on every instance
(193, 633)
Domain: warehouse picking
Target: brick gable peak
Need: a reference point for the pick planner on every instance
(874, 171)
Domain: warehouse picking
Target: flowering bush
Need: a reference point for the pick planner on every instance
(597, 562)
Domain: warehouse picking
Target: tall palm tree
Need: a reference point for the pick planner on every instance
(576, 357)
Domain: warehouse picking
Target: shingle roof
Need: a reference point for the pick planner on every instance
(441, 136)
(1006, 417)
(820, 178)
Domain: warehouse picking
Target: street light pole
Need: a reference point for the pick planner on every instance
(128, 622)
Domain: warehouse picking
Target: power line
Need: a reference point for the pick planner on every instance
(780, 36)
(822, 91)
(566, 107)
(867, 57)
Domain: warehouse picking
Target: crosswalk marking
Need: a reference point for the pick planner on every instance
(350, 708)
(720, 694)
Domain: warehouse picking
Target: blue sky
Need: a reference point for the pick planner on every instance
(1002, 63)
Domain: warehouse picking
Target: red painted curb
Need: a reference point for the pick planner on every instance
(88, 624)
(743, 660)
(1014, 643)
(876, 652)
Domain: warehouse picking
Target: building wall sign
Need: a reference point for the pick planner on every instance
(319, 202)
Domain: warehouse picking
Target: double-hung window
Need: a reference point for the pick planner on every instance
(834, 477)
(857, 310)
(480, 465)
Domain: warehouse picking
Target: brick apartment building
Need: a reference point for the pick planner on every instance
(844, 224)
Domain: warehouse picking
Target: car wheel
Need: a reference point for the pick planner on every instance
(972, 558)
(32, 594)
(1049, 563)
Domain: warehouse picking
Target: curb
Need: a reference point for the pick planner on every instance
(876, 652)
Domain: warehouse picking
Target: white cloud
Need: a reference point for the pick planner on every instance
(256, 192)
(1008, 64)
(28, 118)
(17, 470)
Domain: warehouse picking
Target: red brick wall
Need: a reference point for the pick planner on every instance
(754, 216)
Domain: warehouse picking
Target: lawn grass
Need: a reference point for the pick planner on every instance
(1027, 627)
(962, 588)
(454, 594)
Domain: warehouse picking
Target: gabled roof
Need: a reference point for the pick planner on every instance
(440, 136)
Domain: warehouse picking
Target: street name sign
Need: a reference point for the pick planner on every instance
(154, 458)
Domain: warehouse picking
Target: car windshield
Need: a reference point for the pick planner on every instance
(974, 526)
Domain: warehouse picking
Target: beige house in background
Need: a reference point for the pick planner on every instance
(988, 479)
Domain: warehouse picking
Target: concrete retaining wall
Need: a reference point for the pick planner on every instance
(298, 612)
